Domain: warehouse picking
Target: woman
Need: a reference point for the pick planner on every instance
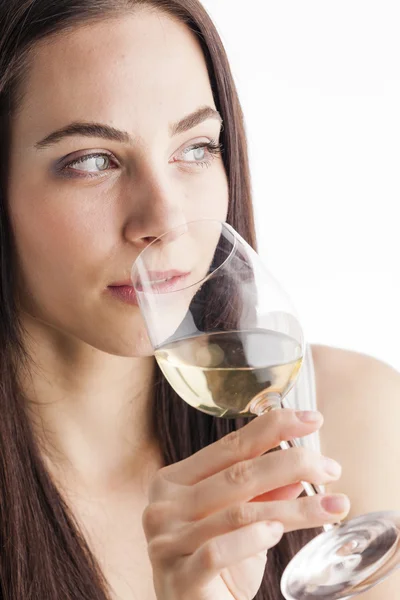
(120, 120)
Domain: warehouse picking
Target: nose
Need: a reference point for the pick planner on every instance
(157, 208)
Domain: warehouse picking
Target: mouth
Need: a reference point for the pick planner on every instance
(157, 282)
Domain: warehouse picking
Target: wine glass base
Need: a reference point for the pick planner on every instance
(345, 561)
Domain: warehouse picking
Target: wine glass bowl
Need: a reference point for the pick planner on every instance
(225, 337)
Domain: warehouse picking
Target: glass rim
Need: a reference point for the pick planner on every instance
(223, 224)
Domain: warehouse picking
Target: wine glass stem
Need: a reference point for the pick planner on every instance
(275, 403)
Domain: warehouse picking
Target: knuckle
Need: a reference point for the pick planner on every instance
(278, 418)
(303, 461)
(241, 515)
(154, 516)
(281, 419)
(234, 442)
(211, 558)
(308, 465)
(161, 487)
(157, 485)
(279, 422)
(158, 549)
(240, 473)
(306, 509)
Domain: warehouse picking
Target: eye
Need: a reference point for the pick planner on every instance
(200, 154)
(91, 164)
(195, 154)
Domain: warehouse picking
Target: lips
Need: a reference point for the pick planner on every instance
(125, 293)
(152, 277)
(159, 282)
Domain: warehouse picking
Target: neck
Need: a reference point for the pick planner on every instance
(91, 411)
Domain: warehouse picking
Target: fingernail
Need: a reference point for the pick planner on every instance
(335, 504)
(332, 467)
(308, 416)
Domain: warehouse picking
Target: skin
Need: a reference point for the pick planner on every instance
(89, 393)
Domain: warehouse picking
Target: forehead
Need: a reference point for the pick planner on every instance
(137, 72)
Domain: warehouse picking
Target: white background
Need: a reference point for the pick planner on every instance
(319, 83)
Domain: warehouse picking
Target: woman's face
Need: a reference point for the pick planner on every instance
(86, 201)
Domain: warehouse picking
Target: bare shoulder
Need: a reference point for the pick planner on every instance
(336, 368)
(359, 397)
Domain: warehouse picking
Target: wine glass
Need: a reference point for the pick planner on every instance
(228, 340)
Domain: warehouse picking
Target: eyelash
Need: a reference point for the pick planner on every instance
(213, 147)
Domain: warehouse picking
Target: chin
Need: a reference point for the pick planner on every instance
(136, 345)
(126, 337)
(140, 348)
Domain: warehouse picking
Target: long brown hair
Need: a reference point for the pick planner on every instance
(43, 554)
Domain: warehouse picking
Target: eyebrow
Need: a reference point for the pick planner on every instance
(107, 132)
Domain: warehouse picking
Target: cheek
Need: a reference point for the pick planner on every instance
(209, 197)
(55, 245)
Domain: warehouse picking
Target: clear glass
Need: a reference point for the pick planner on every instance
(229, 341)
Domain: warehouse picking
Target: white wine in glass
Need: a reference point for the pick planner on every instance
(228, 340)
(223, 373)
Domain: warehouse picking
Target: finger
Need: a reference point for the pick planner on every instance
(229, 549)
(247, 479)
(288, 492)
(162, 517)
(304, 513)
(255, 438)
